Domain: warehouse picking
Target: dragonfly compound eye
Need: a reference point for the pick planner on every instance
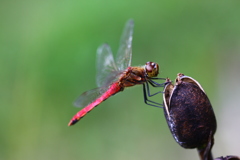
(151, 69)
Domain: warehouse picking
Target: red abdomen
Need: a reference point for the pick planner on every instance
(113, 89)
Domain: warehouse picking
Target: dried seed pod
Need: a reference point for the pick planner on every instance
(228, 158)
(189, 114)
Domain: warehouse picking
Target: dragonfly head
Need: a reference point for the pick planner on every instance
(151, 69)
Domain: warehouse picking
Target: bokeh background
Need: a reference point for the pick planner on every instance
(47, 59)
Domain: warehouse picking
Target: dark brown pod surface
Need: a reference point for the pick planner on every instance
(188, 112)
(228, 158)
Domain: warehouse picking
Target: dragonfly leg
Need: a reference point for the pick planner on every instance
(146, 94)
(158, 78)
(148, 90)
(155, 84)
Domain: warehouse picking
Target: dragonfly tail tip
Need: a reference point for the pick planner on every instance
(72, 122)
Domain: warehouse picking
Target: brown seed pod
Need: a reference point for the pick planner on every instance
(189, 114)
(228, 158)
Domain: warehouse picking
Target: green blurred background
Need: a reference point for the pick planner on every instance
(47, 59)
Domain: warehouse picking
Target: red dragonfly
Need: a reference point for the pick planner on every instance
(114, 77)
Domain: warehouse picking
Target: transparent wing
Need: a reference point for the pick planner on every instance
(124, 54)
(107, 70)
(89, 96)
(105, 66)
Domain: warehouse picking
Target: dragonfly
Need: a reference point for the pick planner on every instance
(113, 76)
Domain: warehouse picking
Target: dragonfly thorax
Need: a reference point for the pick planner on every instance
(151, 69)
